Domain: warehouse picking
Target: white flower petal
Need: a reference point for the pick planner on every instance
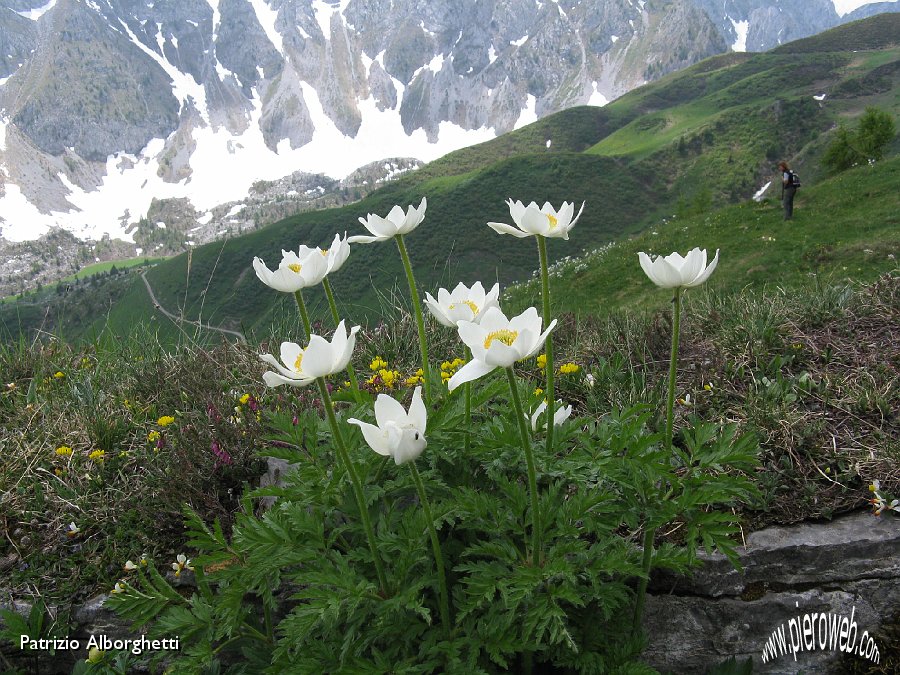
(388, 409)
(375, 437)
(469, 372)
(503, 228)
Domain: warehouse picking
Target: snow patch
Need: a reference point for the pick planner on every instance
(266, 17)
(529, 114)
(324, 10)
(492, 53)
(35, 14)
(521, 41)
(436, 64)
(217, 17)
(758, 195)
(843, 7)
(614, 38)
(741, 28)
(596, 97)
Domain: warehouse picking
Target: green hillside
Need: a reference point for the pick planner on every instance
(696, 140)
(847, 227)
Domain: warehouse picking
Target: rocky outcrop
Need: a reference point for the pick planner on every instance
(847, 567)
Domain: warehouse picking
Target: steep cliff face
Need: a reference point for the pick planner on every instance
(107, 104)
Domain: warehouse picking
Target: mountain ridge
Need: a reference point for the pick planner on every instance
(123, 102)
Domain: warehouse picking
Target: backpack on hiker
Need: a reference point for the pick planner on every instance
(793, 179)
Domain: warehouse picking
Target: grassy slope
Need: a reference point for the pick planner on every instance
(845, 227)
(708, 135)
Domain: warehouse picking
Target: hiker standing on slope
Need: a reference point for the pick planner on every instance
(788, 190)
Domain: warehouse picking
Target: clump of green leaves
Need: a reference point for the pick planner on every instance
(866, 143)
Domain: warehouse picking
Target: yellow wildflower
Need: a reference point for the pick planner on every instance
(58, 375)
(569, 368)
(244, 399)
(165, 420)
(377, 364)
(153, 436)
(64, 451)
(97, 455)
(542, 361)
(538, 391)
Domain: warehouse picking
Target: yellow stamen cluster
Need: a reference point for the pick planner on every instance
(448, 368)
(569, 368)
(165, 420)
(298, 363)
(294, 267)
(504, 335)
(553, 220)
(468, 303)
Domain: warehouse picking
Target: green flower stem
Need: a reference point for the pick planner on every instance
(354, 478)
(650, 533)
(529, 460)
(548, 344)
(420, 320)
(351, 373)
(467, 390)
(673, 365)
(304, 315)
(435, 547)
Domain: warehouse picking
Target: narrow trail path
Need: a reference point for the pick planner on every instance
(178, 319)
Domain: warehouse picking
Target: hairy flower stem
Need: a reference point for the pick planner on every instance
(354, 478)
(673, 365)
(529, 461)
(420, 320)
(548, 343)
(304, 315)
(649, 532)
(467, 390)
(435, 547)
(351, 373)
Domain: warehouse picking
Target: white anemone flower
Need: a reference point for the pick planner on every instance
(498, 342)
(335, 256)
(561, 415)
(295, 272)
(338, 253)
(462, 304)
(545, 220)
(397, 222)
(398, 434)
(300, 367)
(675, 271)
